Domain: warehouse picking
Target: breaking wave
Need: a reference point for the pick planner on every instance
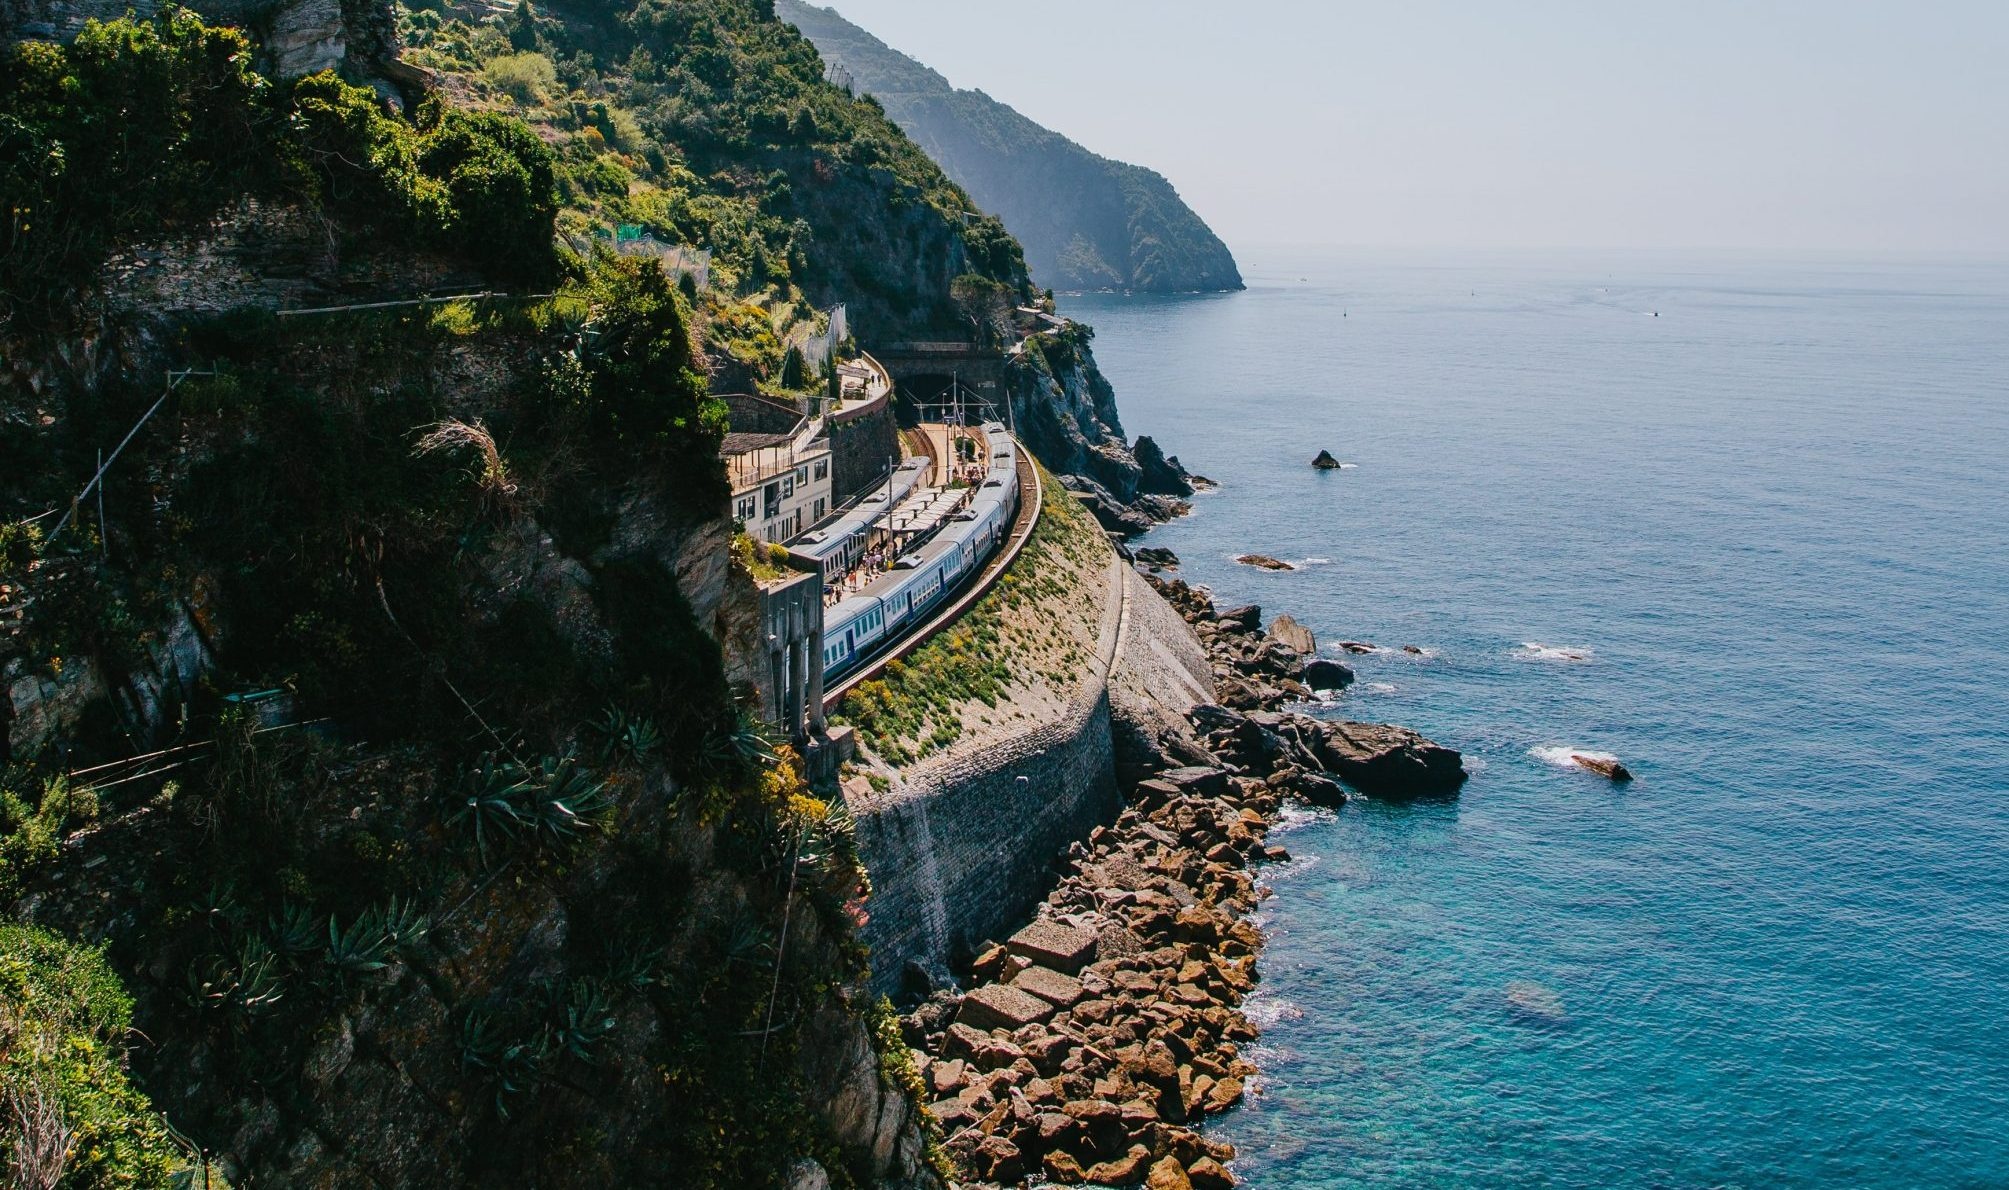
(1534, 650)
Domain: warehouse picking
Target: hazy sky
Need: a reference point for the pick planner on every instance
(1787, 124)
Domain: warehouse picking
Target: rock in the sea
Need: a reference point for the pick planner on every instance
(1325, 461)
(1323, 673)
(1158, 474)
(1356, 646)
(1383, 760)
(1603, 766)
(1158, 557)
(1412, 650)
(1264, 562)
(1293, 634)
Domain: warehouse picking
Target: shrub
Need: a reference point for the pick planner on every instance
(528, 78)
(66, 1017)
(32, 826)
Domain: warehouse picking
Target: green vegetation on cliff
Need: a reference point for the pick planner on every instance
(708, 124)
(142, 128)
(432, 849)
(1087, 222)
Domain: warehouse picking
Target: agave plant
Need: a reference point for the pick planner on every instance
(405, 926)
(746, 744)
(519, 1069)
(584, 1019)
(362, 949)
(248, 982)
(294, 930)
(745, 942)
(635, 966)
(564, 799)
(625, 738)
(489, 804)
(220, 907)
(481, 1041)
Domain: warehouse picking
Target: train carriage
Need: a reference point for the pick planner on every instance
(926, 576)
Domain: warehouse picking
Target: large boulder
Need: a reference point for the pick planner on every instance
(1246, 617)
(1054, 946)
(1323, 673)
(1293, 635)
(1383, 760)
(1002, 1006)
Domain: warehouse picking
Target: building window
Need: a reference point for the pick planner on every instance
(823, 468)
(771, 501)
(747, 507)
(802, 475)
(787, 486)
(820, 503)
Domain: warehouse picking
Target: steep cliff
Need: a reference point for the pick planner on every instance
(360, 686)
(368, 715)
(1086, 222)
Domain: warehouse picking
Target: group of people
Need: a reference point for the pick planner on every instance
(869, 567)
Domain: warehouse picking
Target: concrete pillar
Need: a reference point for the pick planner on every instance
(777, 682)
(798, 676)
(817, 724)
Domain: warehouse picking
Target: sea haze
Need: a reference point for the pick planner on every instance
(1756, 546)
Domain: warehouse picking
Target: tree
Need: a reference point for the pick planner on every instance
(985, 306)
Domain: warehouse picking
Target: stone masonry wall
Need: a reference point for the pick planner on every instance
(965, 845)
(859, 448)
(960, 856)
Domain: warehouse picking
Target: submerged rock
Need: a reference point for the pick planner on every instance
(1264, 562)
(1534, 1003)
(1604, 766)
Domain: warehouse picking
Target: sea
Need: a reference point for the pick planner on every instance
(1739, 521)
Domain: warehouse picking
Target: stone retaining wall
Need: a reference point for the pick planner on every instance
(965, 845)
(964, 854)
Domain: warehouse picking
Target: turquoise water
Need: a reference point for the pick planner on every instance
(1772, 521)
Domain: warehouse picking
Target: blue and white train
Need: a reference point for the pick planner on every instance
(899, 600)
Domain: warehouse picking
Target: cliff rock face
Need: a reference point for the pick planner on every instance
(297, 37)
(1086, 222)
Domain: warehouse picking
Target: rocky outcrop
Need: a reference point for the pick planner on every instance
(1325, 461)
(1388, 761)
(1157, 473)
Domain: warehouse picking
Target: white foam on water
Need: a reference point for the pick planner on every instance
(1295, 815)
(1564, 757)
(1379, 687)
(1534, 650)
(1349, 466)
(1266, 1012)
(1316, 562)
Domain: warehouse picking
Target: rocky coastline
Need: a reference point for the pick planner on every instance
(1091, 1046)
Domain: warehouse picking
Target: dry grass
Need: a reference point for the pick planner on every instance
(491, 470)
(38, 1139)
